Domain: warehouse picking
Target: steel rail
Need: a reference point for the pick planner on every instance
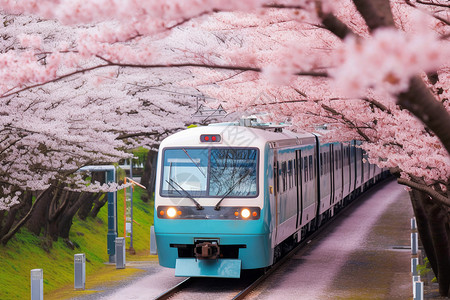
(179, 287)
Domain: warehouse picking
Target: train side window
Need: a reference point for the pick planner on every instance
(345, 156)
(305, 165)
(310, 168)
(336, 166)
(315, 167)
(295, 171)
(290, 173)
(321, 164)
(299, 170)
(283, 175)
(276, 171)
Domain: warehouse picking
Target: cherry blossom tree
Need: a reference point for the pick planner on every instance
(49, 131)
(377, 71)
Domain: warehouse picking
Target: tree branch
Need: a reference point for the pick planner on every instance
(426, 189)
(332, 23)
(421, 103)
(376, 13)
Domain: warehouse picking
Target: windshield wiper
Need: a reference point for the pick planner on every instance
(199, 207)
(193, 161)
(217, 207)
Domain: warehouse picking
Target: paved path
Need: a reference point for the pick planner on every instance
(358, 258)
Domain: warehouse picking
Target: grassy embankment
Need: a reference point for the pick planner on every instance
(24, 253)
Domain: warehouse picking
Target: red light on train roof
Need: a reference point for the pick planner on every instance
(210, 138)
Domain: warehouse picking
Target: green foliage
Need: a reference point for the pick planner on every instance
(143, 217)
(425, 268)
(25, 251)
(141, 154)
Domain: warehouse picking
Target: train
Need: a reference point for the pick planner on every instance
(237, 196)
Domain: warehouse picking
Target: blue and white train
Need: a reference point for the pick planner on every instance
(235, 196)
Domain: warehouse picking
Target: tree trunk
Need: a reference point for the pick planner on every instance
(38, 218)
(11, 217)
(19, 224)
(86, 205)
(99, 202)
(77, 200)
(149, 176)
(56, 208)
(417, 200)
(438, 219)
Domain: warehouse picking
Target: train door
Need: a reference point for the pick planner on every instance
(338, 175)
(332, 165)
(346, 175)
(276, 191)
(298, 184)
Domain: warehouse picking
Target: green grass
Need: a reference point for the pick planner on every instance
(24, 252)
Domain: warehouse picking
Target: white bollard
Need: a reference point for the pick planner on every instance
(414, 243)
(418, 290)
(79, 270)
(37, 284)
(120, 253)
(414, 263)
(153, 249)
(413, 224)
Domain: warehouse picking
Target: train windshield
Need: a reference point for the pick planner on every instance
(210, 172)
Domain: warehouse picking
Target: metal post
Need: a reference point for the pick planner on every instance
(414, 263)
(120, 253)
(131, 208)
(110, 171)
(79, 271)
(414, 243)
(37, 284)
(153, 249)
(112, 217)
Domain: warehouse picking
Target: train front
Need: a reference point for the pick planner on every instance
(209, 196)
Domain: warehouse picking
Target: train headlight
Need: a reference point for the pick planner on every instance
(245, 213)
(171, 212)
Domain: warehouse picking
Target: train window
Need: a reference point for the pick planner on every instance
(290, 173)
(299, 170)
(345, 162)
(276, 177)
(185, 169)
(321, 164)
(305, 165)
(216, 172)
(283, 175)
(233, 172)
(336, 166)
(295, 171)
(311, 167)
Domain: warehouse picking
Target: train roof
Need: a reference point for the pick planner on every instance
(240, 134)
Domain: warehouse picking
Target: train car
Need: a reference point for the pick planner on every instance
(236, 196)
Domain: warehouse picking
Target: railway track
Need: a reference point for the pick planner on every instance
(244, 291)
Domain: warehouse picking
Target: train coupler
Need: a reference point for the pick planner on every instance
(207, 250)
